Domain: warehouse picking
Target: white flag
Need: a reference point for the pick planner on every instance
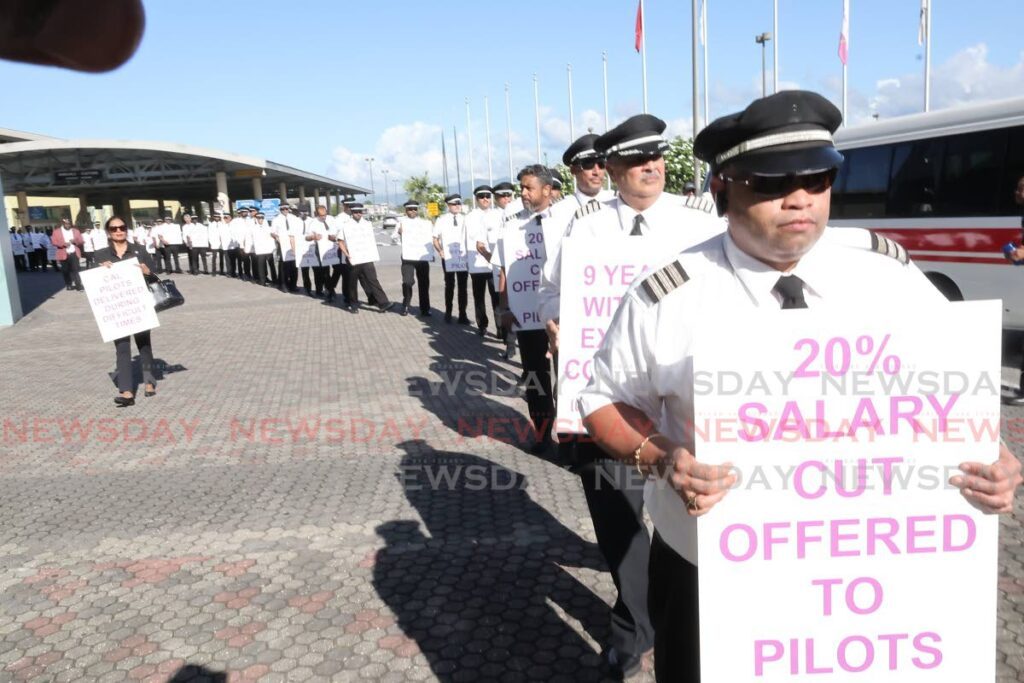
(922, 28)
(704, 22)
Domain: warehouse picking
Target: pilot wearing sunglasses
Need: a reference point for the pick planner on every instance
(772, 167)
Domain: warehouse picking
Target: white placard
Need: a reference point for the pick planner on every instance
(361, 243)
(417, 239)
(120, 300)
(843, 554)
(455, 257)
(594, 276)
(306, 252)
(523, 256)
(330, 254)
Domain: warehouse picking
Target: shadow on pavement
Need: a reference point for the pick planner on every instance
(194, 673)
(481, 589)
(37, 288)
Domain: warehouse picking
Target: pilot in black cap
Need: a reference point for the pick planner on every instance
(556, 180)
(786, 133)
(356, 207)
(581, 150)
(637, 136)
(505, 188)
(455, 198)
(348, 201)
(412, 204)
(482, 190)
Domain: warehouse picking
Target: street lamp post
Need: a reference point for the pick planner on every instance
(369, 160)
(762, 40)
(387, 197)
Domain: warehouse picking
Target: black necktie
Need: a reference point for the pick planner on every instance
(791, 289)
(638, 222)
(455, 220)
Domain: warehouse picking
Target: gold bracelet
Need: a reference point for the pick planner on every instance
(636, 453)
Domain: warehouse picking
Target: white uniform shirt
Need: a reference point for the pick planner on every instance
(200, 235)
(39, 240)
(172, 233)
(239, 233)
(262, 241)
(88, 243)
(646, 359)
(450, 229)
(675, 223)
(417, 238)
(69, 240)
(286, 228)
(213, 233)
(478, 223)
(17, 246)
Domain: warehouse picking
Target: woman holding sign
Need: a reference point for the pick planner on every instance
(120, 249)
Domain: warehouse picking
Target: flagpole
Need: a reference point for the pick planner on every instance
(704, 36)
(696, 92)
(926, 7)
(469, 136)
(487, 122)
(508, 129)
(604, 64)
(844, 47)
(572, 130)
(458, 169)
(775, 46)
(444, 166)
(643, 51)
(536, 113)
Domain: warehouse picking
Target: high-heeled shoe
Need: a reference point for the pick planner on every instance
(150, 392)
(124, 401)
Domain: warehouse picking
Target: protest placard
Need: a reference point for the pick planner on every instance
(361, 242)
(594, 276)
(522, 255)
(842, 553)
(120, 300)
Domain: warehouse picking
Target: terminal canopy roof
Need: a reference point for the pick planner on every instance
(108, 170)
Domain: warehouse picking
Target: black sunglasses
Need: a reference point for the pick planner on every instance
(588, 164)
(117, 228)
(776, 186)
(483, 195)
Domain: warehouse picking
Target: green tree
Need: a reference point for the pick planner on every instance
(678, 164)
(568, 181)
(420, 189)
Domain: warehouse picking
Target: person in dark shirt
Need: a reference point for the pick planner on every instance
(119, 249)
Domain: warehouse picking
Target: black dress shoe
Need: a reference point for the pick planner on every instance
(352, 308)
(424, 314)
(463, 320)
(622, 664)
(124, 401)
(387, 307)
(405, 311)
(1017, 400)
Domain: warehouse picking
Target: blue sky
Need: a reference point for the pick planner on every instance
(322, 84)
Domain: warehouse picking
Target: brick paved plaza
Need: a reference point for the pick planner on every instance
(280, 510)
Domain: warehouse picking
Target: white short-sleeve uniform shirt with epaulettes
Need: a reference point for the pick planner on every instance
(677, 222)
(646, 359)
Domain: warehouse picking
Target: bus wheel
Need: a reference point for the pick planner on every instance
(946, 286)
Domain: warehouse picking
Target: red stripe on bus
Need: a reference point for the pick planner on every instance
(982, 240)
(1000, 261)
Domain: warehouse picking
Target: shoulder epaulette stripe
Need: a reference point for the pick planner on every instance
(659, 283)
(888, 247)
(587, 209)
(700, 203)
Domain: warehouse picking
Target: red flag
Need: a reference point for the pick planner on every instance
(639, 25)
(844, 34)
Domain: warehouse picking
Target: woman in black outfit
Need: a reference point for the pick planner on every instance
(119, 249)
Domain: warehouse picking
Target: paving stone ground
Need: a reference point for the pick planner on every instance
(307, 498)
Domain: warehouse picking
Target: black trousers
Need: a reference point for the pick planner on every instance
(450, 280)
(272, 267)
(420, 272)
(365, 274)
(672, 600)
(169, 252)
(305, 278)
(247, 265)
(20, 263)
(289, 276)
(234, 267)
(615, 496)
(220, 261)
(123, 348)
(480, 281)
(260, 270)
(90, 261)
(195, 254)
(346, 281)
(533, 346)
(322, 279)
(337, 273)
(69, 269)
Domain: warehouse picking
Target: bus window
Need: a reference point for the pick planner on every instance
(970, 174)
(864, 182)
(915, 178)
(1013, 170)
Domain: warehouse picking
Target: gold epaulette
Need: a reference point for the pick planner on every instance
(587, 209)
(888, 247)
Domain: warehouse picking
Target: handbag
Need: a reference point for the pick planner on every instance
(165, 295)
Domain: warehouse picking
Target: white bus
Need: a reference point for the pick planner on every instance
(942, 185)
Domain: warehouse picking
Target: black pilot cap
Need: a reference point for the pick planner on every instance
(637, 136)
(582, 149)
(788, 132)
